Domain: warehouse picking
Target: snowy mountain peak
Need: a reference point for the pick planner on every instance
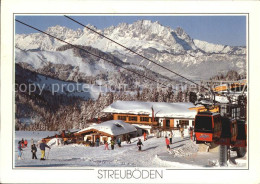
(57, 28)
(148, 24)
(142, 34)
(64, 32)
(180, 32)
(91, 27)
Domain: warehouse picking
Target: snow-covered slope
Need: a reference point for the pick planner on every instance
(83, 90)
(153, 154)
(216, 48)
(41, 59)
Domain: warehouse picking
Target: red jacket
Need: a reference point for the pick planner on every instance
(167, 141)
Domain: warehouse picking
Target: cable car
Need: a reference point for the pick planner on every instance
(207, 126)
(241, 134)
(229, 131)
(240, 145)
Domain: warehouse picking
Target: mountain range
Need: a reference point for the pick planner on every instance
(174, 49)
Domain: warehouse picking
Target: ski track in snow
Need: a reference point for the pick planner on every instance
(154, 154)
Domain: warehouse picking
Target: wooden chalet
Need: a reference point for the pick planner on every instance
(106, 131)
(159, 115)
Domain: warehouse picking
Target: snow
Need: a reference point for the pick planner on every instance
(221, 99)
(209, 47)
(161, 109)
(55, 141)
(113, 127)
(154, 154)
(82, 90)
(40, 59)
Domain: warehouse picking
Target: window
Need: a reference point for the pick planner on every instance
(203, 123)
(146, 119)
(122, 118)
(118, 125)
(167, 123)
(132, 118)
(184, 123)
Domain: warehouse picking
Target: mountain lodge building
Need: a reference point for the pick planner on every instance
(160, 115)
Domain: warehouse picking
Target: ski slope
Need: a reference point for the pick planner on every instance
(183, 154)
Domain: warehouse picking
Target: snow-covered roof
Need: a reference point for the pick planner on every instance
(113, 127)
(142, 126)
(161, 109)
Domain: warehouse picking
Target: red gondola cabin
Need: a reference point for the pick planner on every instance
(207, 126)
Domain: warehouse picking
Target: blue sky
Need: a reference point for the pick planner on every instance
(226, 30)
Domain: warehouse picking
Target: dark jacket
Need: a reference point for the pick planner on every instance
(43, 145)
(139, 143)
(33, 149)
(20, 147)
(112, 142)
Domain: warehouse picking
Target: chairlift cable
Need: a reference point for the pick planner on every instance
(78, 47)
(134, 52)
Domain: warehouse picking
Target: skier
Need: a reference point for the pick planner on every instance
(22, 142)
(25, 143)
(128, 139)
(33, 150)
(145, 138)
(170, 136)
(119, 142)
(42, 147)
(139, 144)
(106, 145)
(182, 132)
(19, 150)
(112, 144)
(167, 143)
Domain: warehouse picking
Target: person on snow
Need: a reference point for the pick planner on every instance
(139, 144)
(182, 132)
(170, 136)
(112, 144)
(33, 150)
(19, 150)
(145, 138)
(106, 145)
(43, 145)
(25, 143)
(22, 143)
(119, 142)
(97, 142)
(128, 139)
(167, 141)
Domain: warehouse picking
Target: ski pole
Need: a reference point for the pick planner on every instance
(48, 154)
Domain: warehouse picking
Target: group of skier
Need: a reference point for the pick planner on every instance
(169, 141)
(42, 146)
(112, 143)
(139, 142)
